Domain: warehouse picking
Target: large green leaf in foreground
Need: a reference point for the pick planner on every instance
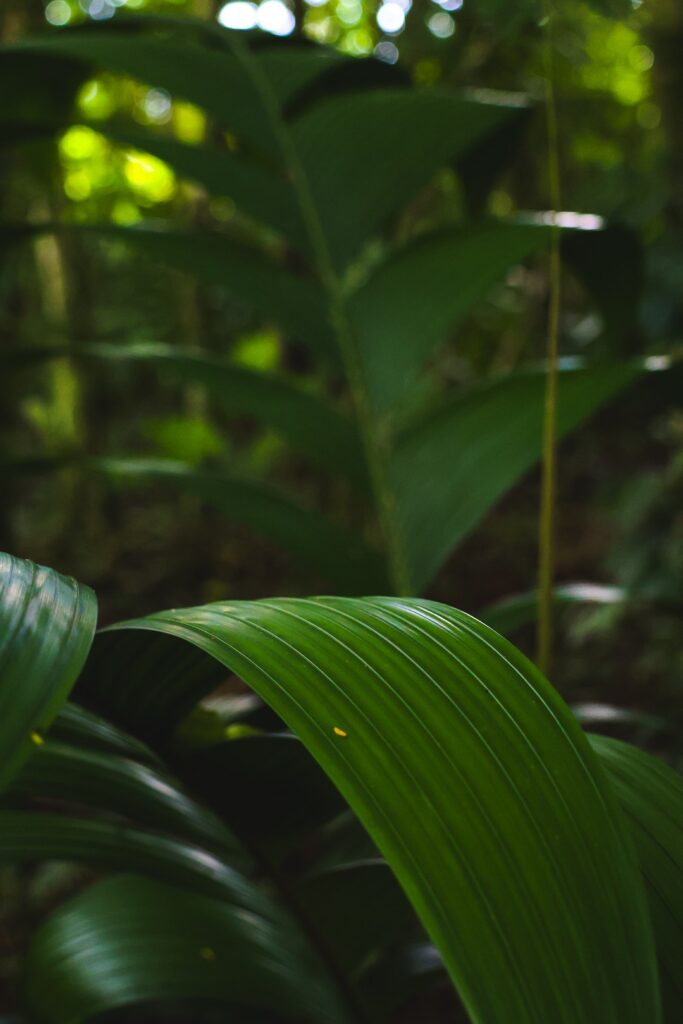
(651, 794)
(46, 626)
(464, 765)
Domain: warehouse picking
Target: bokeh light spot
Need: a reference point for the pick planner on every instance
(239, 15)
(58, 13)
(275, 17)
(391, 18)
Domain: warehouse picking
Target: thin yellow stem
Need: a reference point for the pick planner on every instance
(546, 540)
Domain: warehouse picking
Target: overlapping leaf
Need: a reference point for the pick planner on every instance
(328, 549)
(407, 309)
(469, 772)
(47, 622)
(450, 467)
(309, 422)
(651, 794)
(129, 940)
(147, 796)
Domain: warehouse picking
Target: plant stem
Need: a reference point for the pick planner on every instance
(369, 425)
(549, 481)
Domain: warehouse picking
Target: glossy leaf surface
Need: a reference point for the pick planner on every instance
(129, 939)
(468, 771)
(47, 622)
(146, 796)
(651, 794)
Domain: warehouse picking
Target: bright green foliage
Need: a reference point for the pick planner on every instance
(470, 774)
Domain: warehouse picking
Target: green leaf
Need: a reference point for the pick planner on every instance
(351, 146)
(326, 548)
(511, 613)
(358, 909)
(129, 940)
(47, 622)
(468, 771)
(292, 302)
(258, 191)
(42, 88)
(651, 794)
(449, 271)
(144, 795)
(450, 467)
(610, 265)
(27, 837)
(211, 77)
(309, 422)
(81, 728)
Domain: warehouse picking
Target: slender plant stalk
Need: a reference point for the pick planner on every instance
(546, 540)
(370, 427)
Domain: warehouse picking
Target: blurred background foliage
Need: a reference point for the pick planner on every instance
(618, 67)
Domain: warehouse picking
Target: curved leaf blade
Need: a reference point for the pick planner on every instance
(262, 193)
(80, 728)
(450, 271)
(309, 422)
(651, 794)
(450, 467)
(129, 940)
(511, 613)
(473, 778)
(144, 795)
(47, 622)
(354, 196)
(295, 303)
(212, 77)
(27, 837)
(328, 549)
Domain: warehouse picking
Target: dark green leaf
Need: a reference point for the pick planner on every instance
(129, 940)
(81, 728)
(255, 281)
(407, 309)
(352, 145)
(211, 77)
(47, 622)
(651, 794)
(258, 191)
(309, 422)
(146, 796)
(452, 466)
(609, 264)
(471, 775)
(511, 613)
(328, 549)
(358, 909)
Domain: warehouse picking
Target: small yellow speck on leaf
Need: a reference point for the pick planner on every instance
(206, 953)
(339, 732)
(36, 738)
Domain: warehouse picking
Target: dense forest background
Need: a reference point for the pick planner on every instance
(618, 70)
